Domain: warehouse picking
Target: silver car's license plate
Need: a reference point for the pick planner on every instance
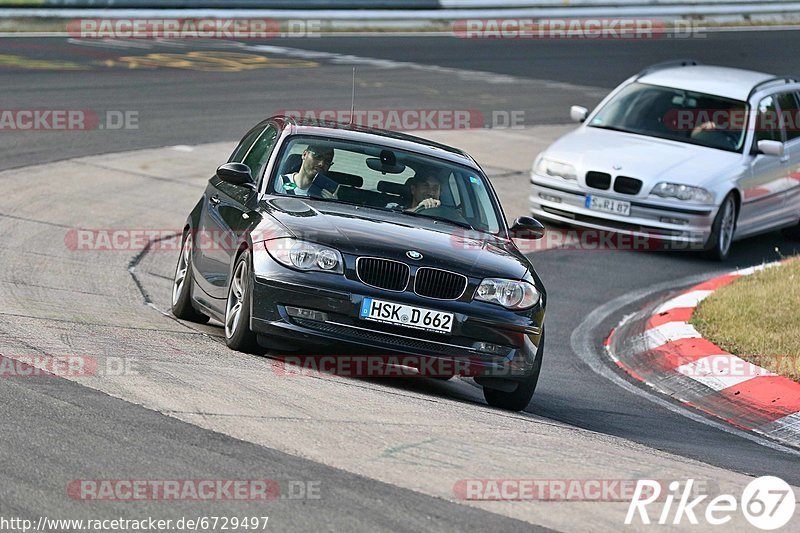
(598, 203)
(406, 315)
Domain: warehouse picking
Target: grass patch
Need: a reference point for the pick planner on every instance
(757, 317)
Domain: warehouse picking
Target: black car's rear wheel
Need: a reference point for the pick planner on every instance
(182, 285)
(719, 242)
(238, 335)
(520, 397)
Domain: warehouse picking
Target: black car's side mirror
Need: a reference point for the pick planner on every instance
(236, 173)
(527, 228)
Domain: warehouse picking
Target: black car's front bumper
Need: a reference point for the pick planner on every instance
(514, 337)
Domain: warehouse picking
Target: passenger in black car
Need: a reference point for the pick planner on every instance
(317, 159)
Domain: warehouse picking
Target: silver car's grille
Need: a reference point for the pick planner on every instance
(383, 273)
(440, 284)
(626, 185)
(598, 180)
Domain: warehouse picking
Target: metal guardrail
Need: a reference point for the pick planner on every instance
(507, 4)
(409, 12)
(746, 5)
(226, 4)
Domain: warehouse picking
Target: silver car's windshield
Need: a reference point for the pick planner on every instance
(675, 114)
(385, 178)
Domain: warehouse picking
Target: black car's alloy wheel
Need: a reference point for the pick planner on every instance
(182, 285)
(238, 334)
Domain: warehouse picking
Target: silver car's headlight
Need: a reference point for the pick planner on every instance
(687, 193)
(548, 167)
(509, 293)
(304, 255)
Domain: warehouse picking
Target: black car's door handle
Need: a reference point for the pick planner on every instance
(214, 200)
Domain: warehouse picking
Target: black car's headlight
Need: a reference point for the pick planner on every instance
(304, 255)
(509, 293)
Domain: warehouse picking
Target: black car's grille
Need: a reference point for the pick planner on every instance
(382, 273)
(441, 284)
(598, 180)
(626, 185)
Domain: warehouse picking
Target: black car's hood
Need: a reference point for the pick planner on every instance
(363, 231)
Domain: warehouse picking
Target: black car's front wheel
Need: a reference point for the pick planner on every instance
(238, 335)
(519, 398)
(182, 285)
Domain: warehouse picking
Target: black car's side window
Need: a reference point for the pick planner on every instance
(245, 144)
(259, 153)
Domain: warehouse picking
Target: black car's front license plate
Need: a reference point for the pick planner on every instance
(406, 315)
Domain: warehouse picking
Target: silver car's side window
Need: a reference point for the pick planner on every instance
(790, 114)
(767, 121)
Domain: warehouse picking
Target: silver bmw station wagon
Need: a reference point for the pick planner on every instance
(690, 155)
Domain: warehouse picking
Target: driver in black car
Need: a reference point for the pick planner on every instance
(425, 189)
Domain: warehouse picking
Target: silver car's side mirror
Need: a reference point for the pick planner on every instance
(578, 113)
(768, 147)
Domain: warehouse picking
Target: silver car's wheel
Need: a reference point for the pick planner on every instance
(722, 230)
(728, 224)
(182, 284)
(237, 309)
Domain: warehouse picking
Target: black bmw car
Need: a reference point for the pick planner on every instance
(315, 234)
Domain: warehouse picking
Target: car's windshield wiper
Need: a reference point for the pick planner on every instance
(612, 128)
(433, 217)
(396, 210)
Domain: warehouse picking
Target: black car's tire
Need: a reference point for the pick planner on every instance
(182, 285)
(519, 398)
(719, 242)
(792, 233)
(238, 335)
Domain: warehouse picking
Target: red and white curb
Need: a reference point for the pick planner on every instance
(659, 347)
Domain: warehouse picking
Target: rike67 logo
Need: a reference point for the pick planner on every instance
(767, 503)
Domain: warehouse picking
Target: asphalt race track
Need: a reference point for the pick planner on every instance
(377, 450)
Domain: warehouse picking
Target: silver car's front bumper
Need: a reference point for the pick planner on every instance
(565, 202)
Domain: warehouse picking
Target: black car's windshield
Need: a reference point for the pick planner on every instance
(675, 114)
(386, 178)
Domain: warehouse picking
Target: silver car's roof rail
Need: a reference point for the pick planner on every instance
(668, 64)
(776, 79)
